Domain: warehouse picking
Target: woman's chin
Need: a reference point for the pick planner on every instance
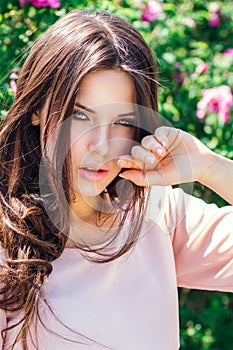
(88, 193)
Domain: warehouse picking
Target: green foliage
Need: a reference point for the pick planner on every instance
(181, 38)
(206, 320)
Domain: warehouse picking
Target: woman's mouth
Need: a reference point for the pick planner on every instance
(92, 173)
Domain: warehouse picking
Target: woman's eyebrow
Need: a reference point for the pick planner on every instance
(127, 114)
(85, 108)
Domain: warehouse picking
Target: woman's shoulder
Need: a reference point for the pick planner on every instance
(177, 200)
(168, 206)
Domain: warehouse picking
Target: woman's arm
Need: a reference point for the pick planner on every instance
(219, 176)
(202, 239)
(201, 234)
(172, 156)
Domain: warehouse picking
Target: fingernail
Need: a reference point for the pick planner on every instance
(150, 158)
(120, 162)
(159, 151)
(122, 175)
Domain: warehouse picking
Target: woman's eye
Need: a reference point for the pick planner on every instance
(80, 116)
(125, 122)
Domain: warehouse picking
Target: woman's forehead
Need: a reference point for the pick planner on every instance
(106, 87)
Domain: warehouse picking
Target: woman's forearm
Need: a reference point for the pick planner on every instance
(218, 176)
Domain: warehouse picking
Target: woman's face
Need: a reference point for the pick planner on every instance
(102, 129)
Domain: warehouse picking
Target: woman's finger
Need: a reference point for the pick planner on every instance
(143, 155)
(171, 171)
(157, 145)
(129, 162)
(144, 179)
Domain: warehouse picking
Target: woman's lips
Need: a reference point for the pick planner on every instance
(93, 174)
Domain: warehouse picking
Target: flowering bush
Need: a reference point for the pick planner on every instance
(193, 44)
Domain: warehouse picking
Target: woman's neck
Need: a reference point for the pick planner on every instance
(93, 221)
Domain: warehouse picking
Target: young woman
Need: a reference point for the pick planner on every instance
(94, 240)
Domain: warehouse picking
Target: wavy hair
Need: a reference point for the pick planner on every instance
(79, 43)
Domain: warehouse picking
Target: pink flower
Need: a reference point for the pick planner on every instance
(189, 22)
(14, 76)
(228, 52)
(202, 68)
(177, 65)
(22, 3)
(16, 70)
(214, 12)
(41, 3)
(152, 11)
(13, 87)
(180, 76)
(214, 20)
(216, 100)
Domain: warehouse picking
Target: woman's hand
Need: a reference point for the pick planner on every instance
(169, 157)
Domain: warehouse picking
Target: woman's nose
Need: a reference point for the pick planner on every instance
(99, 142)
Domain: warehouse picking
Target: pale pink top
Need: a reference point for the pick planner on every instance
(131, 303)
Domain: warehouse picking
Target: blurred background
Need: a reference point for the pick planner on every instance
(192, 43)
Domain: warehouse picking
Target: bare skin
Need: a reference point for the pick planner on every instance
(172, 156)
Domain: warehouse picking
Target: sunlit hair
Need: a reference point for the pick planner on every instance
(77, 44)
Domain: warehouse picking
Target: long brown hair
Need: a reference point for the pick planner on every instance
(75, 45)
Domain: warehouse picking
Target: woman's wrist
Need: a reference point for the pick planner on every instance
(207, 167)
